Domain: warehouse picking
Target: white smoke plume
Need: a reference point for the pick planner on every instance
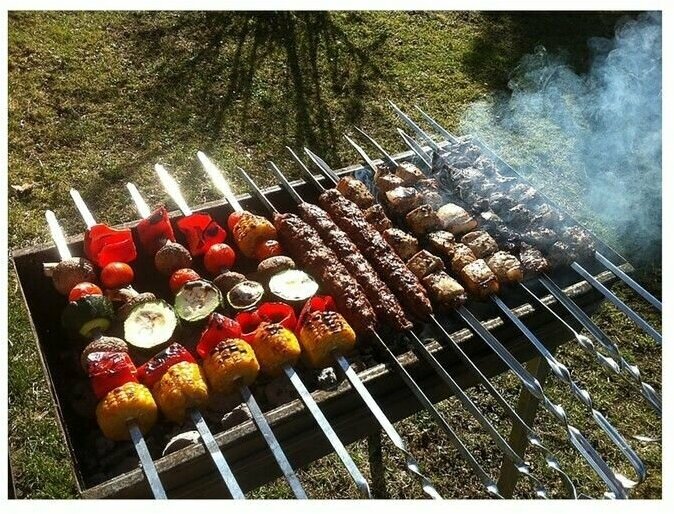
(591, 140)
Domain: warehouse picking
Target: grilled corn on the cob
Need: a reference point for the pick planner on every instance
(182, 387)
(250, 230)
(322, 333)
(274, 346)
(128, 401)
(229, 361)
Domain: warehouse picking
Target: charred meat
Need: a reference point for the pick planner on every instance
(404, 244)
(376, 217)
(444, 290)
(423, 220)
(442, 242)
(424, 263)
(479, 279)
(387, 182)
(355, 190)
(506, 267)
(480, 242)
(409, 173)
(402, 200)
(462, 257)
(533, 261)
(456, 219)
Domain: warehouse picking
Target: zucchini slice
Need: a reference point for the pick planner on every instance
(150, 325)
(197, 299)
(88, 315)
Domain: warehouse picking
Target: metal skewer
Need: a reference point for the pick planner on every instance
(205, 433)
(559, 370)
(294, 378)
(256, 413)
(146, 462)
(531, 384)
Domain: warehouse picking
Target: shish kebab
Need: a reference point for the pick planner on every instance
(197, 418)
(345, 249)
(601, 258)
(123, 402)
(247, 395)
(337, 275)
(631, 370)
(579, 237)
(480, 242)
(172, 188)
(345, 211)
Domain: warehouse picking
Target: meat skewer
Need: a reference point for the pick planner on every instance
(531, 384)
(484, 245)
(643, 324)
(135, 433)
(247, 395)
(631, 370)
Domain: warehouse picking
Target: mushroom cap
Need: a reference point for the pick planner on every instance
(172, 257)
(70, 272)
(103, 344)
(125, 309)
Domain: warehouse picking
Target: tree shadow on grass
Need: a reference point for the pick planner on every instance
(211, 66)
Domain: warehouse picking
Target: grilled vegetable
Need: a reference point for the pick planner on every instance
(181, 277)
(269, 312)
(275, 346)
(250, 230)
(70, 272)
(245, 295)
(266, 249)
(218, 258)
(103, 245)
(201, 232)
(88, 315)
(230, 362)
(103, 344)
(273, 265)
(322, 333)
(227, 280)
(84, 289)
(136, 299)
(171, 257)
(196, 300)
(116, 275)
(293, 285)
(107, 371)
(131, 401)
(150, 325)
(182, 387)
(219, 328)
(155, 230)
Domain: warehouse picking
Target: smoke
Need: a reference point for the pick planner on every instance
(591, 141)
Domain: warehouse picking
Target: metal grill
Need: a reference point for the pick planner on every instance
(472, 344)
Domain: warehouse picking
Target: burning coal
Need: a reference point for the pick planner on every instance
(591, 141)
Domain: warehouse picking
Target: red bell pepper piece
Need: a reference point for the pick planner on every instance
(218, 329)
(103, 245)
(278, 312)
(248, 321)
(155, 230)
(150, 372)
(313, 304)
(201, 232)
(109, 370)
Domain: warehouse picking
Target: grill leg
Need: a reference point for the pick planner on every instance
(377, 470)
(527, 405)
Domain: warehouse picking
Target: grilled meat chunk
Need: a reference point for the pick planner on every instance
(479, 279)
(430, 192)
(404, 244)
(386, 182)
(383, 301)
(580, 240)
(455, 219)
(422, 220)
(444, 290)
(462, 257)
(376, 217)
(540, 237)
(307, 248)
(402, 200)
(424, 263)
(480, 242)
(506, 267)
(378, 252)
(532, 260)
(442, 243)
(356, 191)
(409, 173)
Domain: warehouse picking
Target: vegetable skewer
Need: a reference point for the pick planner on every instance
(205, 433)
(135, 433)
(247, 395)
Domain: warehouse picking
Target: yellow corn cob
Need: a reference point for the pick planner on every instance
(182, 387)
(129, 401)
(274, 346)
(229, 361)
(251, 230)
(323, 332)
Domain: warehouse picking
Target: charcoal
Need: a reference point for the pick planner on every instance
(238, 415)
(327, 379)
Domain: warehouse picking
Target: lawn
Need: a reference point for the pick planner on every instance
(96, 98)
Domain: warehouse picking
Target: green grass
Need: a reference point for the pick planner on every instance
(97, 98)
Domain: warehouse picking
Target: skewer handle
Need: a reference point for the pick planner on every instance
(141, 206)
(629, 281)
(219, 181)
(173, 189)
(82, 208)
(146, 461)
(57, 235)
